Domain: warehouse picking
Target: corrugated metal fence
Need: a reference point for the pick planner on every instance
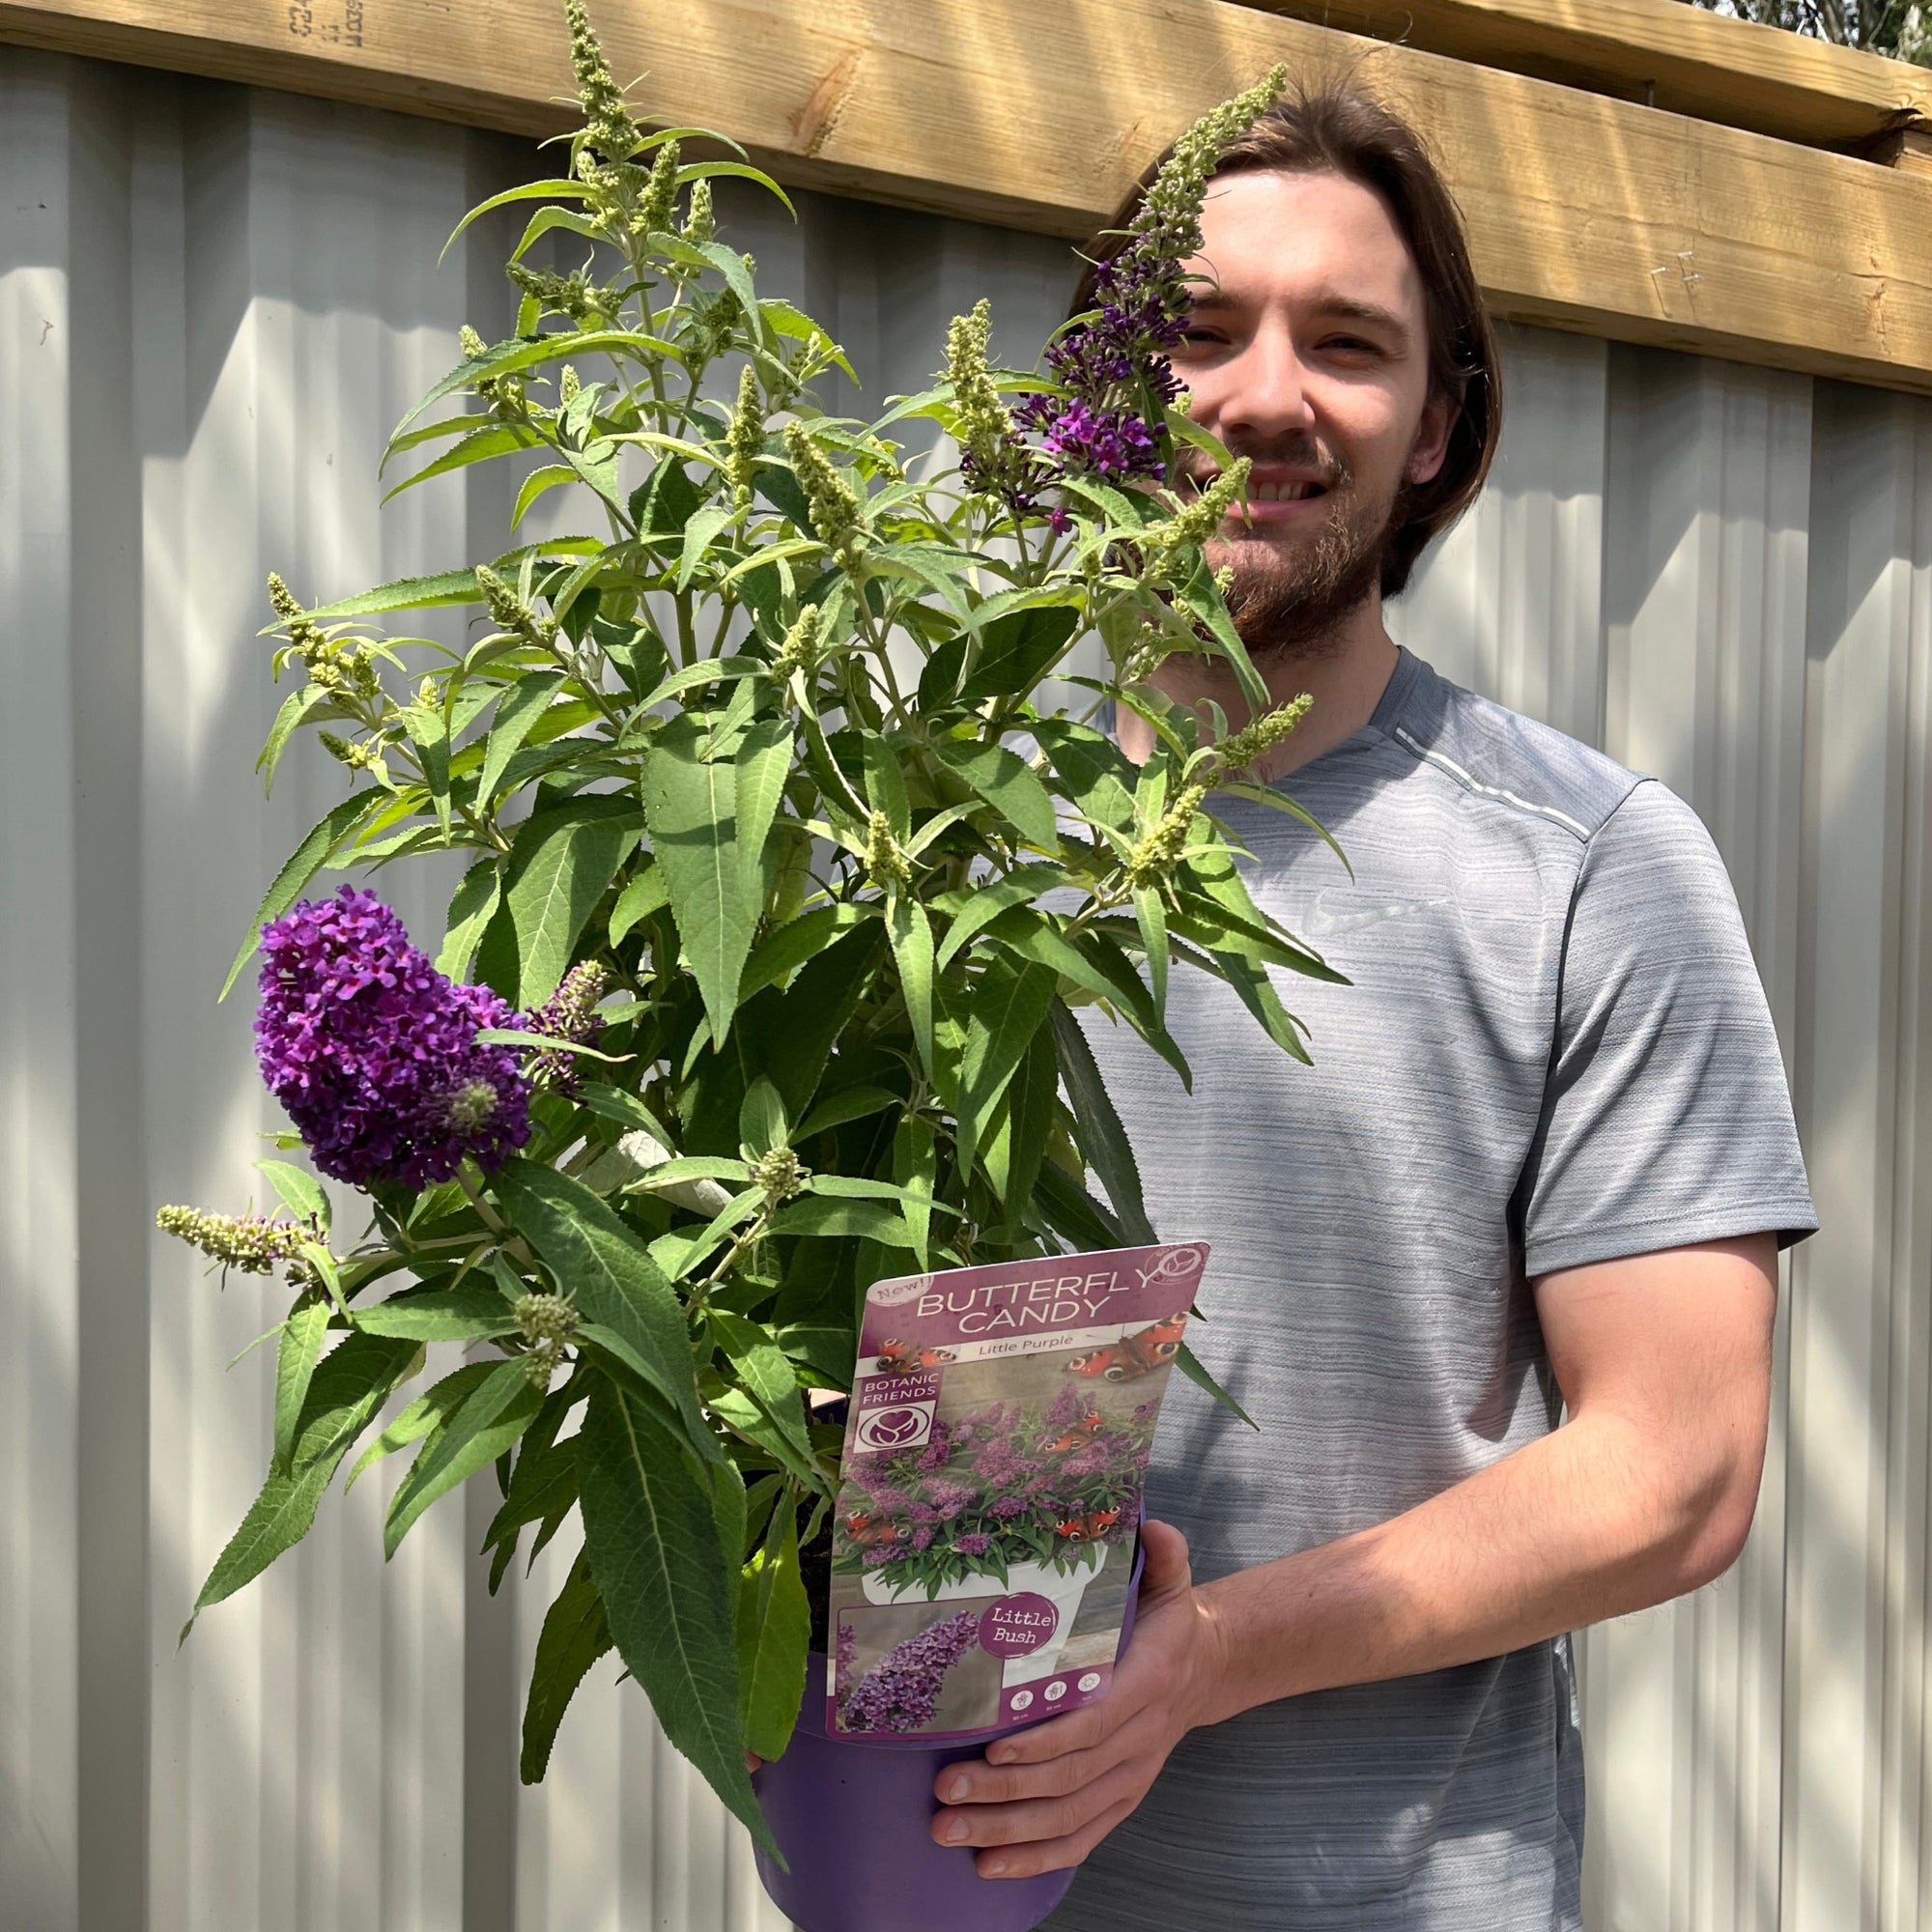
(213, 304)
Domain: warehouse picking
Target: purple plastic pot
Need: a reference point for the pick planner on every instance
(853, 1818)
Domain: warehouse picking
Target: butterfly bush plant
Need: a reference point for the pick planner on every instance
(782, 880)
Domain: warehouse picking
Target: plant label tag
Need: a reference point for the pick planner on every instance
(996, 1448)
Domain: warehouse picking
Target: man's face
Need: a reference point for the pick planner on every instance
(1308, 353)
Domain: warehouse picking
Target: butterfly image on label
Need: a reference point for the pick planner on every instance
(902, 1358)
(1086, 1528)
(870, 1533)
(1132, 1355)
(1082, 1433)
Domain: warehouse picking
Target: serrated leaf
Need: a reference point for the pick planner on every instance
(911, 934)
(561, 865)
(302, 865)
(1191, 1365)
(406, 593)
(763, 762)
(766, 1373)
(795, 942)
(651, 1537)
(347, 1391)
(1006, 781)
(700, 527)
(1103, 1140)
(498, 1410)
(301, 1349)
(517, 711)
(1150, 914)
(644, 891)
(975, 906)
(430, 1410)
(690, 808)
(452, 1315)
(472, 907)
(774, 1637)
(1017, 649)
(295, 706)
(885, 783)
(281, 1515)
(574, 1634)
(822, 1214)
(1008, 1008)
(300, 1192)
(608, 1272)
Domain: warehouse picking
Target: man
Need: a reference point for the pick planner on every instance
(1545, 1157)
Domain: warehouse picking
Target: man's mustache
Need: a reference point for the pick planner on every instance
(1196, 467)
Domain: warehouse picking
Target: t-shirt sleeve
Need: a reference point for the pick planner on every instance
(1666, 1119)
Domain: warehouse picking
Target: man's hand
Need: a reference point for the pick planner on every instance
(1045, 1797)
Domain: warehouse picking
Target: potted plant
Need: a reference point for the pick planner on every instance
(784, 879)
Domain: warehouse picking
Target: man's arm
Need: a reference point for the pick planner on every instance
(1645, 1492)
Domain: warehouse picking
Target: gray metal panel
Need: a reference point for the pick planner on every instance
(213, 304)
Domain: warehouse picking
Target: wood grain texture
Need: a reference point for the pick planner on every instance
(1660, 52)
(1586, 212)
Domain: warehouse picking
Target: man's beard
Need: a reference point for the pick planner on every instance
(1293, 604)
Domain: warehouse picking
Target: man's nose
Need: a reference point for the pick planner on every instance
(1266, 392)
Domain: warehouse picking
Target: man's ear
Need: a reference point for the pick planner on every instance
(1431, 439)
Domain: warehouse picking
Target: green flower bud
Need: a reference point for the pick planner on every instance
(797, 654)
(660, 195)
(252, 1244)
(835, 505)
(744, 439)
(886, 860)
(509, 611)
(1197, 521)
(779, 1173)
(1159, 849)
(471, 343)
(701, 221)
(1244, 747)
(608, 126)
(546, 1322)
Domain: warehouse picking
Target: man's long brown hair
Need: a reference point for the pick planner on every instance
(1331, 127)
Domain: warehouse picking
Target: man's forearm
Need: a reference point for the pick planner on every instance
(1585, 1523)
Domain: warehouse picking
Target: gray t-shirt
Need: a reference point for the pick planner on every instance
(1556, 1050)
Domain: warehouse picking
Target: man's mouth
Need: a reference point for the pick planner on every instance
(1262, 489)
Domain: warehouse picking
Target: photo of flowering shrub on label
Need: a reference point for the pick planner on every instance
(995, 1449)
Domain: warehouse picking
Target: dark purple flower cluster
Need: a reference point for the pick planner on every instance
(1116, 371)
(374, 1053)
(900, 1692)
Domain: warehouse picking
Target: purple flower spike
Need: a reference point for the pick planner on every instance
(373, 1052)
(900, 1692)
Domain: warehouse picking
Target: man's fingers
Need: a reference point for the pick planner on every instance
(1043, 1820)
(1007, 1785)
(1056, 1854)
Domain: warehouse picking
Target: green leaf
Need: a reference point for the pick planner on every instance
(1103, 1140)
(301, 1194)
(498, 1409)
(663, 503)
(1008, 1010)
(1191, 1365)
(765, 1373)
(911, 933)
(1017, 649)
(429, 1412)
(651, 1535)
(517, 710)
(737, 273)
(644, 891)
(796, 941)
(428, 730)
(822, 1214)
(304, 863)
(538, 483)
(915, 1162)
(574, 1634)
(975, 906)
(1006, 781)
(480, 444)
(885, 783)
(761, 1120)
(763, 762)
(1150, 914)
(294, 1363)
(699, 528)
(348, 1387)
(406, 593)
(277, 1519)
(773, 1636)
(848, 1103)
(346, 1393)
(1256, 991)
(295, 706)
(608, 1272)
(560, 866)
(472, 907)
(691, 808)
(454, 1314)
(1014, 1163)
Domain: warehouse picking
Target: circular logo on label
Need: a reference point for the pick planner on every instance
(1172, 1263)
(1022, 1701)
(1090, 1680)
(1017, 1623)
(891, 1293)
(1056, 1690)
(889, 1428)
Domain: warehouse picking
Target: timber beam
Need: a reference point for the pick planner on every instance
(1586, 211)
